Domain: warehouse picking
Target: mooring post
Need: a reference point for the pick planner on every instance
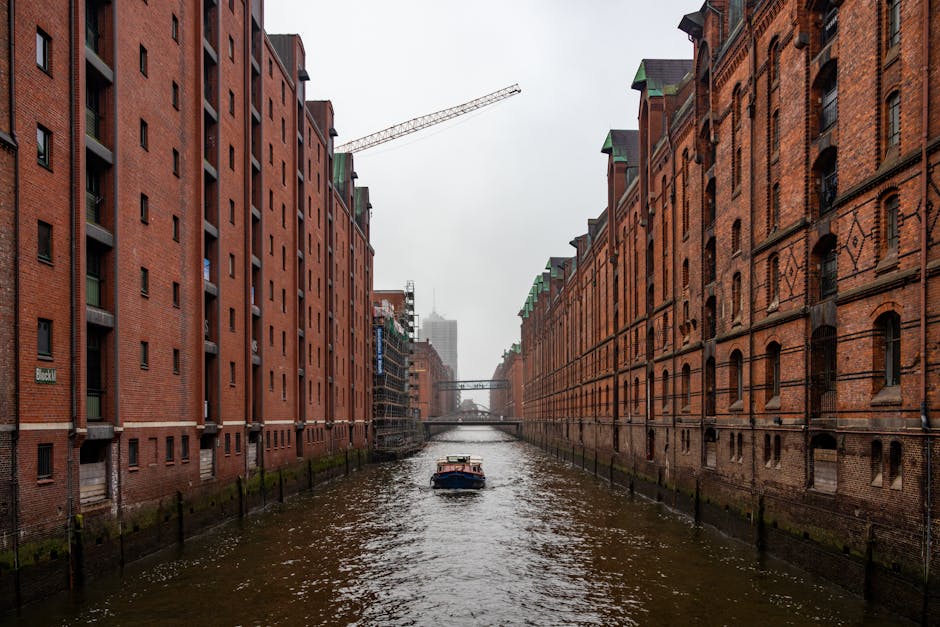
(179, 517)
(869, 560)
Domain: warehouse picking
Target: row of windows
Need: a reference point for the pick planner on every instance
(169, 450)
(45, 468)
(886, 360)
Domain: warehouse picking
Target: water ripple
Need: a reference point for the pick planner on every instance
(543, 544)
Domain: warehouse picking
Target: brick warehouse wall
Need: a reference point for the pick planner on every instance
(650, 356)
(192, 216)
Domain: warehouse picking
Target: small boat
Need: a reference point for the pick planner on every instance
(459, 472)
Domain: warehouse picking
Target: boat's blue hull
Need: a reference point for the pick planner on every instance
(456, 480)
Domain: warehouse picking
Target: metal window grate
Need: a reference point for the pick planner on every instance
(44, 464)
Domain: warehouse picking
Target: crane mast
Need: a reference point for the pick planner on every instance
(423, 122)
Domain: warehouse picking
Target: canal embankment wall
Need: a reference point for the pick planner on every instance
(99, 542)
(813, 533)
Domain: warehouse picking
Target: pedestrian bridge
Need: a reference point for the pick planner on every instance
(472, 418)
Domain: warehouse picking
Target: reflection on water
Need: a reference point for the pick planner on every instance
(542, 544)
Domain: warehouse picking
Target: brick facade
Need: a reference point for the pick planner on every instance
(202, 314)
(752, 320)
(508, 401)
(429, 401)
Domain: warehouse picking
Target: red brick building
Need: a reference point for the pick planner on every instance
(749, 323)
(508, 401)
(428, 400)
(186, 272)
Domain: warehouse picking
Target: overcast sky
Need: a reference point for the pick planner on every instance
(471, 209)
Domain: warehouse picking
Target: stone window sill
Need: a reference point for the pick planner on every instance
(738, 405)
(892, 55)
(772, 403)
(888, 263)
(888, 395)
(773, 306)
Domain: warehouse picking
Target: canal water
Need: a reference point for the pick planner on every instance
(543, 544)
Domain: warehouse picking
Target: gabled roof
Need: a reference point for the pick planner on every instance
(655, 75)
(623, 146)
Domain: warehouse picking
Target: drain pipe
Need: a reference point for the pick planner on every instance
(73, 339)
(925, 206)
(15, 435)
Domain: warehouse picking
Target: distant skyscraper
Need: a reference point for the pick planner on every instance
(443, 336)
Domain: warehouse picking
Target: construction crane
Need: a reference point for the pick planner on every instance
(423, 122)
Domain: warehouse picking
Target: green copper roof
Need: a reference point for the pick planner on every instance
(660, 76)
(339, 170)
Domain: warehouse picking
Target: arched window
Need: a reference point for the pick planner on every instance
(740, 447)
(773, 281)
(772, 372)
(893, 119)
(774, 61)
(686, 323)
(890, 221)
(685, 192)
(662, 200)
(710, 207)
(735, 13)
(685, 274)
(827, 175)
(825, 258)
(824, 467)
(666, 395)
(887, 351)
(736, 236)
(736, 377)
(735, 137)
(877, 463)
(710, 387)
(773, 213)
(775, 132)
(686, 387)
(894, 465)
(651, 395)
(826, 88)
(710, 261)
(828, 16)
(710, 326)
(893, 30)
(665, 329)
(736, 297)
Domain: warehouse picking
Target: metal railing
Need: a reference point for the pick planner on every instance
(829, 113)
(93, 207)
(93, 291)
(93, 404)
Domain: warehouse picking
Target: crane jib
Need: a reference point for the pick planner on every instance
(424, 121)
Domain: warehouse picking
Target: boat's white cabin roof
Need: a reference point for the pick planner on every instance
(460, 459)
